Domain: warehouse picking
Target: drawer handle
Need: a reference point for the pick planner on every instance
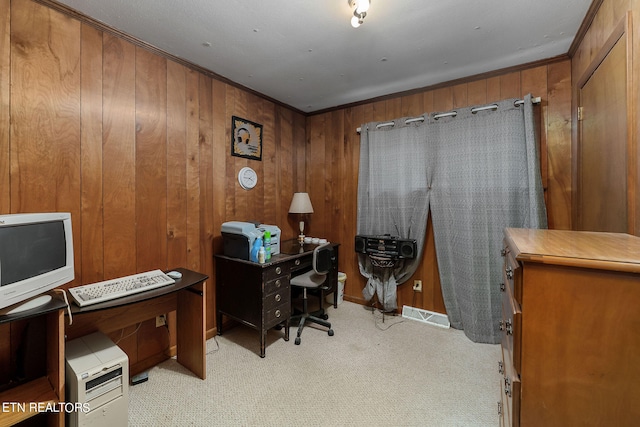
(509, 272)
(509, 327)
(297, 262)
(507, 387)
(278, 297)
(278, 313)
(278, 283)
(502, 325)
(503, 252)
(500, 367)
(502, 287)
(499, 408)
(278, 270)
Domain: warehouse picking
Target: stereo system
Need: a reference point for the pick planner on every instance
(387, 246)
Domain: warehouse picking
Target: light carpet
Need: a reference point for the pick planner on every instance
(375, 370)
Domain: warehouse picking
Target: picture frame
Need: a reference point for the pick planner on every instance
(246, 138)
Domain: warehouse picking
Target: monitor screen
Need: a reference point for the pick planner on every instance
(29, 250)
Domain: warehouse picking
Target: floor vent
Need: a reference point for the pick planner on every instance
(425, 316)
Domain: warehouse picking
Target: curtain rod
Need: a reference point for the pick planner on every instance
(453, 113)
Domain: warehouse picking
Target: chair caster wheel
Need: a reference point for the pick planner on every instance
(297, 341)
(330, 332)
(325, 316)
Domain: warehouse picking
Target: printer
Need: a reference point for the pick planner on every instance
(238, 238)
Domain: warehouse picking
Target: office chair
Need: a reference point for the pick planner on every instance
(323, 259)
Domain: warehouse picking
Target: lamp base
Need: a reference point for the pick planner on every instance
(301, 238)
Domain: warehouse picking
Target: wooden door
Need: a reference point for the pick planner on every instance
(602, 158)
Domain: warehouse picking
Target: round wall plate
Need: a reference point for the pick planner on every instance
(248, 178)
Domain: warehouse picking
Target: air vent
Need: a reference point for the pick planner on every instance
(425, 316)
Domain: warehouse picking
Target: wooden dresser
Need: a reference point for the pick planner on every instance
(571, 329)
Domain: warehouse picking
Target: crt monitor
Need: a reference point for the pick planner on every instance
(36, 255)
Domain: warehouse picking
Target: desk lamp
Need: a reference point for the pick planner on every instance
(301, 204)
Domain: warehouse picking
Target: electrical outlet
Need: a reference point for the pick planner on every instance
(417, 285)
(161, 320)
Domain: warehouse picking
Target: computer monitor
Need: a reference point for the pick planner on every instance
(36, 255)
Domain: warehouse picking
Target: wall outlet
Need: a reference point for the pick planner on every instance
(161, 320)
(417, 285)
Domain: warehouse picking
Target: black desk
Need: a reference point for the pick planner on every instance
(187, 297)
(259, 295)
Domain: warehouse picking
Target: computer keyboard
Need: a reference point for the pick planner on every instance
(121, 287)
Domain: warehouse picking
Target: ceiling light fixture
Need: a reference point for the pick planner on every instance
(360, 8)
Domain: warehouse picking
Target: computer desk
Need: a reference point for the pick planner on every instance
(187, 297)
(259, 295)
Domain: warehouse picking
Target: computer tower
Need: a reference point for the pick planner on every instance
(97, 382)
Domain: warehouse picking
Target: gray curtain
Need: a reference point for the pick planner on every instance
(479, 174)
(393, 199)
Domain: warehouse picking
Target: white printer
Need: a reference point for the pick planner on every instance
(238, 238)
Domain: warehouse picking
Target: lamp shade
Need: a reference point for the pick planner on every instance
(301, 204)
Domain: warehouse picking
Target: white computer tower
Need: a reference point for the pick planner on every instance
(97, 381)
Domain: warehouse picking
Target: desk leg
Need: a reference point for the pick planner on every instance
(263, 339)
(286, 330)
(191, 329)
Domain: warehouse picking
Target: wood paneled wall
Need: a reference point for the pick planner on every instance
(137, 147)
(608, 15)
(334, 143)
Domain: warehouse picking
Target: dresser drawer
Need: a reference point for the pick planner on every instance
(512, 274)
(511, 388)
(511, 327)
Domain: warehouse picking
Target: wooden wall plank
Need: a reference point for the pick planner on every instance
(534, 81)
(316, 156)
(151, 160)
(45, 112)
(460, 96)
(207, 196)
(270, 196)
(284, 178)
(559, 184)
(5, 73)
(494, 89)
(477, 92)
(176, 161)
(412, 105)
(118, 140)
(443, 99)
(193, 169)
(91, 255)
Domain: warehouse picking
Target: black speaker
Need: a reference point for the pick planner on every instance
(387, 246)
(407, 248)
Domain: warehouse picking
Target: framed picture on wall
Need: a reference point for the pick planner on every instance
(246, 138)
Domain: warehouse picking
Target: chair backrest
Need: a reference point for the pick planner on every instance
(323, 258)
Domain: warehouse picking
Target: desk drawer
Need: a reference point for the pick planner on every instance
(277, 314)
(279, 297)
(276, 285)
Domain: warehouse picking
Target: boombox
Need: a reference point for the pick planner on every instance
(387, 246)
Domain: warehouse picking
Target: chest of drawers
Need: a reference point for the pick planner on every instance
(570, 329)
(256, 295)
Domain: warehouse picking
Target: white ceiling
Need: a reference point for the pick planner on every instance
(304, 53)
